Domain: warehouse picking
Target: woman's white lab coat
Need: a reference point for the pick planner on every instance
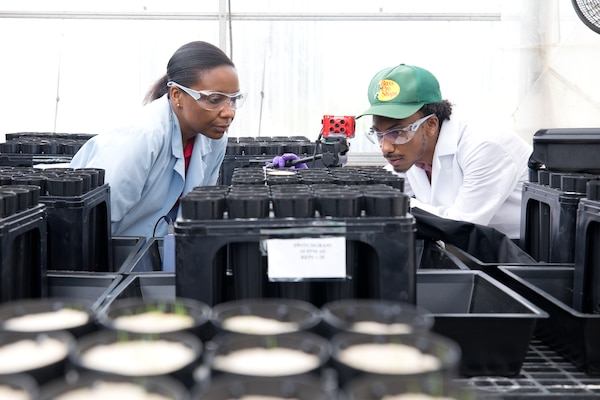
(144, 167)
(477, 176)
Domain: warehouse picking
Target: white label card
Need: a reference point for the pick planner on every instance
(305, 258)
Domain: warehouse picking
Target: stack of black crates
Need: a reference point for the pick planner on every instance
(25, 149)
(53, 218)
(22, 243)
(561, 207)
(77, 213)
(220, 238)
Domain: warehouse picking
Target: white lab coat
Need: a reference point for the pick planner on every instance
(144, 167)
(477, 176)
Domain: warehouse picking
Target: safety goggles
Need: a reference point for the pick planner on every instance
(212, 100)
(396, 135)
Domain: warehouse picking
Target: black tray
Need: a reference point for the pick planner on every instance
(573, 334)
(125, 250)
(433, 255)
(500, 322)
(146, 285)
(492, 323)
(543, 373)
(148, 259)
(92, 286)
(490, 267)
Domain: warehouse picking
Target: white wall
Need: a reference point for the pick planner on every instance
(526, 68)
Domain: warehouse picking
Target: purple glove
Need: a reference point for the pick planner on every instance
(279, 161)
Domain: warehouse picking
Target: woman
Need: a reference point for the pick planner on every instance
(176, 143)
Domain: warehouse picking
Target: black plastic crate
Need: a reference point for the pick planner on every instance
(48, 135)
(571, 333)
(586, 285)
(220, 260)
(548, 222)
(79, 232)
(567, 149)
(17, 160)
(492, 323)
(30, 148)
(429, 255)
(91, 286)
(23, 254)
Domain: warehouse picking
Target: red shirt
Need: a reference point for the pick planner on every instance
(187, 156)
(187, 153)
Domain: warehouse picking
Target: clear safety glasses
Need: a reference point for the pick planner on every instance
(212, 100)
(396, 135)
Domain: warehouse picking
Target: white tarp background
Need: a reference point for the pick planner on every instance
(81, 67)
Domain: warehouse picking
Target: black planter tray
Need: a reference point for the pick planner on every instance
(92, 286)
(571, 333)
(153, 286)
(492, 323)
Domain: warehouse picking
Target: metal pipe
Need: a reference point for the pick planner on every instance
(251, 16)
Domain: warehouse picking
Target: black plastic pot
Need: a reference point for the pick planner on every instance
(304, 343)
(47, 359)
(297, 315)
(21, 386)
(229, 387)
(93, 385)
(11, 314)
(352, 315)
(151, 360)
(198, 312)
(446, 351)
(378, 387)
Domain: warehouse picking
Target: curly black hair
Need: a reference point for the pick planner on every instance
(442, 110)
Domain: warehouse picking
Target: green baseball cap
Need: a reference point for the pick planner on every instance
(399, 92)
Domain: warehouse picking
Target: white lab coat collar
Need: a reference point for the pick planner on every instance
(442, 167)
(197, 167)
(177, 144)
(202, 146)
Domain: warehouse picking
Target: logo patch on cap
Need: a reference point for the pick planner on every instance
(388, 90)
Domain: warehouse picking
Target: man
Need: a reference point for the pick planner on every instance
(453, 168)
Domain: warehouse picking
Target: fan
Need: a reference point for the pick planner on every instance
(589, 12)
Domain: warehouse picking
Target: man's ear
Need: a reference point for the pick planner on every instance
(433, 126)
